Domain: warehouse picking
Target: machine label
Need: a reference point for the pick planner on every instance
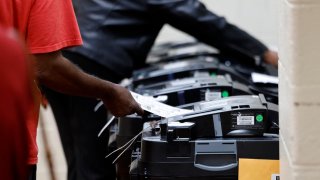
(211, 96)
(245, 120)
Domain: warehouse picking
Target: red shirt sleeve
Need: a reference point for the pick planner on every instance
(52, 26)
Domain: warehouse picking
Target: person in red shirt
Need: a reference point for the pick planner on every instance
(47, 27)
(16, 106)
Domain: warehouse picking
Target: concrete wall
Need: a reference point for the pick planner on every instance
(299, 89)
(258, 17)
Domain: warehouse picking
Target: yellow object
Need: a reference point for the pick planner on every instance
(257, 169)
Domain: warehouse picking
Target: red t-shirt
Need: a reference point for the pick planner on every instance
(46, 26)
(16, 106)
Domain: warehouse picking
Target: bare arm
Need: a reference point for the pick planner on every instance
(58, 73)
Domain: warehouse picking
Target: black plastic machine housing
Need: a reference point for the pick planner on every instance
(207, 143)
(205, 159)
(195, 89)
(247, 115)
(198, 67)
(182, 69)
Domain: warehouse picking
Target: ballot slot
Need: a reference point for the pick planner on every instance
(215, 155)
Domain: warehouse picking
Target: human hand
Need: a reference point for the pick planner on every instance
(271, 57)
(121, 103)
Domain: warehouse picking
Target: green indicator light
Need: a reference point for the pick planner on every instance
(259, 118)
(225, 93)
(213, 74)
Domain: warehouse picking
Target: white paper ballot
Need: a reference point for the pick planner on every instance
(155, 107)
(263, 78)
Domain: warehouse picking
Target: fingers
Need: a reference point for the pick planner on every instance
(122, 109)
(271, 57)
(122, 103)
(134, 109)
(138, 109)
(136, 106)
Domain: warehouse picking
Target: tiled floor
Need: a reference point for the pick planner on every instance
(47, 129)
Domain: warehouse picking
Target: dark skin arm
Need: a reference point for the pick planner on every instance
(271, 57)
(58, 73)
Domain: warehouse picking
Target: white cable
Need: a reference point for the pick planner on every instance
(124, 144)
(121, 147)
(128, 144)
(100, 103)
(106, 126)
